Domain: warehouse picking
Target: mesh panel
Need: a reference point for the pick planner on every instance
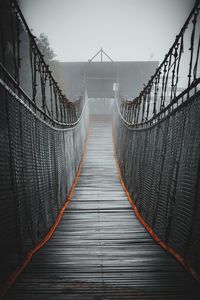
(7, 201)
(38, 165)
(161, 169)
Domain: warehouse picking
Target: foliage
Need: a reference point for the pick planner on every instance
(49, 57)
(44, 46)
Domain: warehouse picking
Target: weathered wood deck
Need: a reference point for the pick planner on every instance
(100, 250)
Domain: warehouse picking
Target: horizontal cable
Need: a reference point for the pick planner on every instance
(163, 93)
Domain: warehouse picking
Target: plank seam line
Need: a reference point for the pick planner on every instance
(13, 277)
(161, 243)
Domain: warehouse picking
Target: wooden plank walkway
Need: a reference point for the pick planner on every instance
(100, 250)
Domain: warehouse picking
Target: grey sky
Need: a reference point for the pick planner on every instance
(126, 29)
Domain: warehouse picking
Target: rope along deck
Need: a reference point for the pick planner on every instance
(100, 250)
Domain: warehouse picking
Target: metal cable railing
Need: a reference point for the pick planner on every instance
(175, 80)
(42, 140)
(24, 70)
(157, 139)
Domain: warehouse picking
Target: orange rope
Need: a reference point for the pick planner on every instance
(12, 278)
(181, 260)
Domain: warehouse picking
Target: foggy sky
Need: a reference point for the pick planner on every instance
(127, 30)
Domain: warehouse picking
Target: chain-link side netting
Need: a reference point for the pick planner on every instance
(38, 164)
(160, 166)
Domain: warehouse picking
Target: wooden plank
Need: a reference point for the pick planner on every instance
(100, 250)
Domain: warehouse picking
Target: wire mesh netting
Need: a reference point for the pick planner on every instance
(38, 164)
(160, 166)
(42, 135)
(158, 142)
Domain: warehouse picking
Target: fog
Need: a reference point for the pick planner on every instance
(128, 30)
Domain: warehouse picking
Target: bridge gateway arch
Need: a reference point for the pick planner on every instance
(101, 74)
(100, 206)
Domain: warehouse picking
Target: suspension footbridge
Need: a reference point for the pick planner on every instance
(98, 206)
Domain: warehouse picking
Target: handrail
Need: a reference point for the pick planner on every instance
(35, 83)
(22, 95)
(153, 101)
(34, 44)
